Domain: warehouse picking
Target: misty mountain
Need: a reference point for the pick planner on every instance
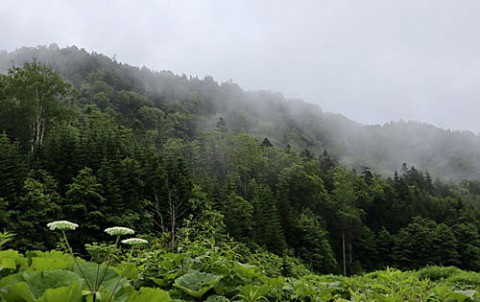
(147, 100)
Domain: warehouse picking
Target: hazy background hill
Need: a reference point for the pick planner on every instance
(168, 105)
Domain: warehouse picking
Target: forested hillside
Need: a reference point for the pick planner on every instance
(191, 105)
(91, 140)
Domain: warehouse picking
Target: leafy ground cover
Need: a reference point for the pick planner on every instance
(203, 268)
(213, 275)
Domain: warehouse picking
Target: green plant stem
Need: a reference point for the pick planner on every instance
(109, 261)
(97, 284)
(68, 245)
(78, 265)
(120, 277)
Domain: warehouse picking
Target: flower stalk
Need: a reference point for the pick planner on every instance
(118, 232)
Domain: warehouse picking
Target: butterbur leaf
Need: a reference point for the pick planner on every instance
(121, 293)
(246, 271)
(130, 270)
(30, 286)
(17, 292)
(9, 259)
(196, 284)
(39, 282)
(71, 293)
(53, 260)
(88, 271)
(216, 298)
(150, 294)
(9, 263)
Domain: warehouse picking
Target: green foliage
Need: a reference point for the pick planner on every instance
(39, 204)
(51, 260)
(252, 293)
(169, 156)
(312, 244)
(33, 286)
(39, 97)
(11, 260)
(238, 217)
(5, 237)
(149, 294)
(196, 284)
(212, 277)
(435, 273)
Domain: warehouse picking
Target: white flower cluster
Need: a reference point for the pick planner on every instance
(134, 241)
(119, 231)
(62, 225)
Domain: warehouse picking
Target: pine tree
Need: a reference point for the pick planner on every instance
(267, 229)
(13, 169)
(468, 245)
(86, 204)
(311, 243)
(40, 204)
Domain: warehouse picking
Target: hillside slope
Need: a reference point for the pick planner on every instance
(197, 104)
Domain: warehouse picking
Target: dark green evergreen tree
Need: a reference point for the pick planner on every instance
(267, 229)
(86, 205)
(468, 245)
(13, 169)
(39, 205)
(311, 243)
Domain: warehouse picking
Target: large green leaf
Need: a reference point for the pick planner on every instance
(196, 284)
(107, 281)
(216, 298)
(246, 271)
(252, 292)
(130, 270)
(39, 282)
(71, 293)
(30, 286)
(53, 260)
(9, 259)
(149, 294)
(17, 292)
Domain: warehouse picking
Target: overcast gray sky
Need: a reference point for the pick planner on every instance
(371, 60)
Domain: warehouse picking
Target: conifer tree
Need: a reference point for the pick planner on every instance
(267, 229)
(13, 169)
(311, 243)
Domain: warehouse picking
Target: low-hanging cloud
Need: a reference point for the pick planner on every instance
(373, 61)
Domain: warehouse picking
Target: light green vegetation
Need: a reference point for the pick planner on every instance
(229, 211)
(199, 274)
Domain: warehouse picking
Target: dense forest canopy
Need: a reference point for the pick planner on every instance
(193, 105)
(89, 139)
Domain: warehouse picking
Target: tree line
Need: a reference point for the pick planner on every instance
(106, 156)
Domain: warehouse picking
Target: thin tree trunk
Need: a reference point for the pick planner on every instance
(159, 213)
(344, 255)
(37, 131)
(173, 214)
(350, 255)
(173, 229)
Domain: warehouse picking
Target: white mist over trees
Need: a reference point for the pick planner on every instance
(146, 94)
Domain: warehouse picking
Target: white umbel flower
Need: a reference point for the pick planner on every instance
(119, 231)
(134, 241)
(62, 225)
